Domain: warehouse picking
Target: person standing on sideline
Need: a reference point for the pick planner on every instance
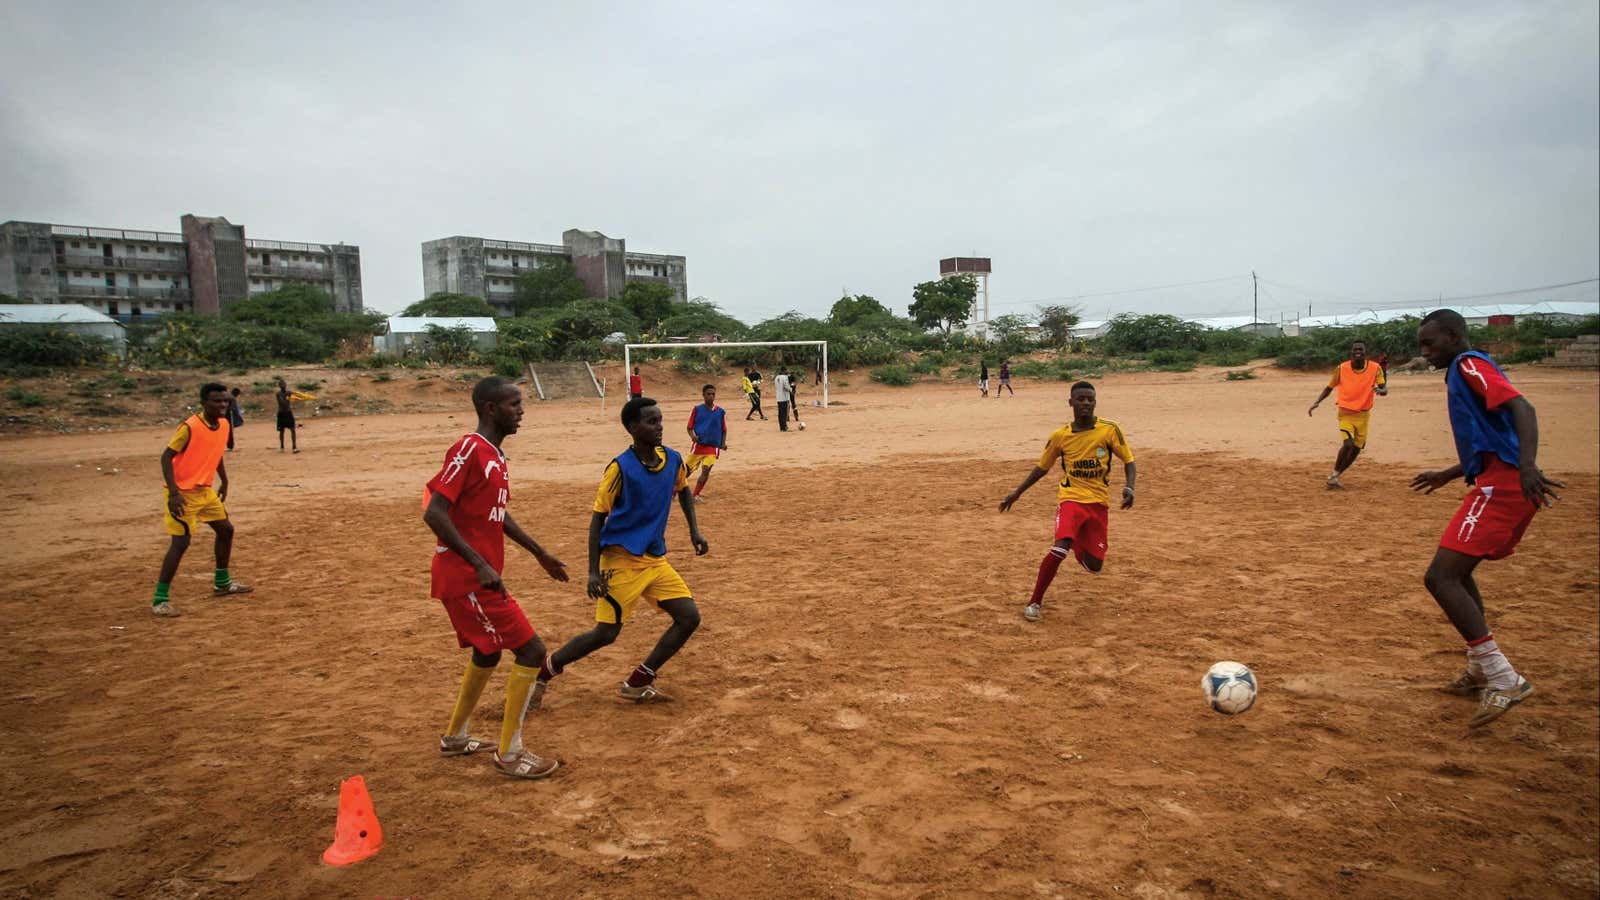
(193, 458)
(627, 554)
(1005, 379)
(1497, 442)
(466, 510)
(1357, 380)
(983, 378)
(708, 436)
(635, 385)
(286, 417)
(1084, 448)
(780, 386)
(235, 416)
(796, 378)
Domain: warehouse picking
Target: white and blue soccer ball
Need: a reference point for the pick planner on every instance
(1230, 688)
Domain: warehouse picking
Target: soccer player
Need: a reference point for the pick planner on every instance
(235, 416)
(286, 417)
(780, 385)
(753, 394)
(635, 385)
(708, 436)
(1084, 449)
(192, 459)
(1497, 441)
(983, 378)
(1357, 379)
(466, 509)
(627, 553)
(1005, 380)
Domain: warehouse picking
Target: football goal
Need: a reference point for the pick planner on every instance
(822, 354)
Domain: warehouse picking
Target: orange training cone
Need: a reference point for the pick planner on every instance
(356, 835)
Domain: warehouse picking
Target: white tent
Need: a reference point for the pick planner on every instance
(72, 317)
(405, 332)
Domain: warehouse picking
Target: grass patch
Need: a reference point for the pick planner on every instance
(1241, 375)
(308, 385)
(382, 377)
(896, 376)
(24, 398)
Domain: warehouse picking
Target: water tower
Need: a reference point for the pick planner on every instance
(978, 267)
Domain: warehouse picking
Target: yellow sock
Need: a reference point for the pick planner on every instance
(472, 682)
(518, 688)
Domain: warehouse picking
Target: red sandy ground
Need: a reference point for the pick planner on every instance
(864, 711)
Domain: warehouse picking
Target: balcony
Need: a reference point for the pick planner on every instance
(123, 263)
(290, 270)
(123, 292)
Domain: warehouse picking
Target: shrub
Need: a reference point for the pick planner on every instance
(47, 346)
(1241, 375)
(1173, 360)
(1227, 358)
(382, 377)
(925, 366)
(1130, 334)
(24, 398)
(897, 376)
(308, 385)
(1528, 354)
(1056, 369)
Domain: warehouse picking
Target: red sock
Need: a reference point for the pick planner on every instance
(1047, 573)
(641, 676)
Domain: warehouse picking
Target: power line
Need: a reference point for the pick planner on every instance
(1138, 290)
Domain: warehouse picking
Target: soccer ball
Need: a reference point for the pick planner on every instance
(1230, 688)
(802, 425)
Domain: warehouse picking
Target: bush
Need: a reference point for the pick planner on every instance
(381, 377)
(48, 346)
(308, 386)
(1129, 334)
(1055, 369)
(1529, 354)
(1173, 360)
(1227, 358)
(896, 376)
(24, 398)
(1241, 375)
(925, 366)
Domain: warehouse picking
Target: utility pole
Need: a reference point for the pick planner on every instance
(1255, 291)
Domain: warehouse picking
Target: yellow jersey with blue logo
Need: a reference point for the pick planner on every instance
(1085, 458)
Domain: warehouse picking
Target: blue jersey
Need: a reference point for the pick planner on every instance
(1471, 380)
(710, 425)
(637, 521)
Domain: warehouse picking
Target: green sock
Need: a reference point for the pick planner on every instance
(222, 580)
(162, 589)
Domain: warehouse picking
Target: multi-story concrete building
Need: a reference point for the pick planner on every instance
(128, 274)
(489, 269)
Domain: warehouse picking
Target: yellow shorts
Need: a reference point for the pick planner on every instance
(696, 460)
(1353, 425)
(199, 505)
(626, 587)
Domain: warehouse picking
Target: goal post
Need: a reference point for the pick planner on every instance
(627, 353)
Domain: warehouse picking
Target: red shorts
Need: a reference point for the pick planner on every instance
(1085, 525)
(1492, 517)
(488, 621)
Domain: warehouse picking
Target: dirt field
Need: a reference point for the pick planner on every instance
(864, 711)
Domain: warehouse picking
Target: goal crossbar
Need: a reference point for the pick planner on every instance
(627, 353)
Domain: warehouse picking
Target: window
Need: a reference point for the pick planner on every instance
(144, 249)
(75, 245)
(255, 281)
(44, 271)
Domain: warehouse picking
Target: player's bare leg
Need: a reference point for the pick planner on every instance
(640, 686)
(601, 635)
(1488, 670)
(1348, 451)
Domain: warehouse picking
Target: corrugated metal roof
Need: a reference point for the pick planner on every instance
(419, 324)
(49, 313)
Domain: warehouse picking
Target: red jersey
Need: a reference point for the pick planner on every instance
(635, 385)
(475, 481)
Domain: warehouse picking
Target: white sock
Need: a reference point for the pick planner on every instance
(1486, 660)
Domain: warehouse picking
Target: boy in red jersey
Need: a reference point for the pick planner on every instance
(1497, 440)
(1084, 448)
(467, 511)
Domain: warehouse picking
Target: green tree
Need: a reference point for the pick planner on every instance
(292, 304)
(849, 310)
(945, 304)
(701, 317)
(649, 301)
(1129, 333)
(1056, 324)
(449, 346)
(444, 304)
(1011, 333)
(552, 284)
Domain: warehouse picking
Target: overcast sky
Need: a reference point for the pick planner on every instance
(1363, 153)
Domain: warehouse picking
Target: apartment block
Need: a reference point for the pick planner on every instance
(129, 274)
(486, 268)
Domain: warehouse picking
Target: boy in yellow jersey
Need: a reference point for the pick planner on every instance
(627, 553)
(192, 459)
(1357, 379)
(1084, 449)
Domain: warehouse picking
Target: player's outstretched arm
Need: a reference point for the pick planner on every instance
(1022, 488)
(597, 579)
(1428, 482)
(437, 518)
(686, 501)
(1129, 473)
(1320, 397)
(1535, 486)
(553, 567)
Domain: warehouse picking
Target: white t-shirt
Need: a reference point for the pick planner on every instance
(781, 385)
